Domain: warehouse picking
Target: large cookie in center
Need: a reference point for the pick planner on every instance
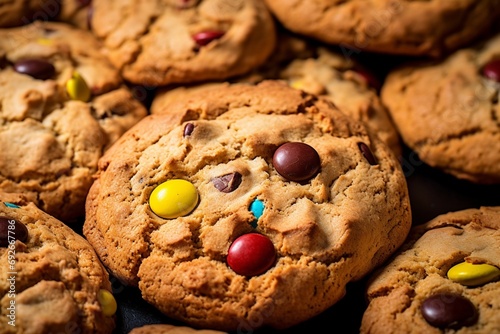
(273, 200)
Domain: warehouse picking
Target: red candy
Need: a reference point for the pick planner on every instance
(370, 78)
(204, 37)
(251, 254)
(492, 70)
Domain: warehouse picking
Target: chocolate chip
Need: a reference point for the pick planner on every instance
(492, 70)
(204, 37)
(447, 310)
(11, 229)
(228, 182)
(296, 161)
(367, 153)
(188, 129)
(37, 68)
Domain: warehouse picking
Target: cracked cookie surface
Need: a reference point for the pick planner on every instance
(51, 277)
(348, 213)
(448, 111)
(62, 105)
(390, 26)
(157, 42)
(318, 71)
(421, 270)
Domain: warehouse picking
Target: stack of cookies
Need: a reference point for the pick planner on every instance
(237, 165)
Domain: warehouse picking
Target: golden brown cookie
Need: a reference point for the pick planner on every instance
(170, 329)
(447, 111)
(389, 26)
(156, 42)
(62, 105)
(252, 206)
(324, 73)
(445, 279)
(51, 280)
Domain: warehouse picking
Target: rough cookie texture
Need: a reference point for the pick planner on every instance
(169, 329)
(448, 112)
(51, 143)
(325, 73)
(397, 291)
(390, 26)
(54, 279)
(327, 231)
(153, 42)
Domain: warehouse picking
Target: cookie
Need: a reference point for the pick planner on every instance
(252, 206)
(51, 279)
(63, 104)
(448, 112)
(161, 42)
(170, 329)
(403, 27)
(350, 87)
(445, 278)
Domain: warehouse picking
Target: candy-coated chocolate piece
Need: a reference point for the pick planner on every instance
(11, 205)
(77, 88)
(36, 68)
(296, 161)
(45, 41)
(492, 70)
(173, 198)
(471, 274)
(447, 310)
(370, 78)
(108, 302)
(228, 182)
(204, 37)
(251, 254)
(188, 129)
(11, 230)
(257, 208)
(367, 153)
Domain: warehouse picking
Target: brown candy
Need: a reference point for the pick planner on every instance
(37, 68)
(367, 153)
(296, 161)
(447, 310)
(228, 182)
(10, 230)
(188, 129)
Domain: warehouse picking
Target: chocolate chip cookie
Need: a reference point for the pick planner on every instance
(170, 329)
(161, 42)
(62, 105)
(51, 280)
(403, 27)
(352, 88)
(446, 278)
(252, 206)
(448, 111)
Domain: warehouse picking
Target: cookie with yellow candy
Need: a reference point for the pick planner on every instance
(51, 280)
(249, 206)
(63, 104)
(445, 278)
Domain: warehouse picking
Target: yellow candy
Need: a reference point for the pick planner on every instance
(45, 41)
(297, 84)
(173, 198)
(470, 274)
(77, 88)
(107, 301)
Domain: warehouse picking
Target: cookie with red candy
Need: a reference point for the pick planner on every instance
(247, 206)
(447, 111)
(157, 43)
